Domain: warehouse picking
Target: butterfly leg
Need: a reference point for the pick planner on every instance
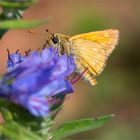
(44, 46)
(61, 49)
(56, 48)
(75, 78)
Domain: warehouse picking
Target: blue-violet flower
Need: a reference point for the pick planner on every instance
(32, 80)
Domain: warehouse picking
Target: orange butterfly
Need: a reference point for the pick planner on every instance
(90, 50)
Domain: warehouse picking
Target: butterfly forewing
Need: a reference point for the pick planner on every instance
(108, 39)
(91, 51)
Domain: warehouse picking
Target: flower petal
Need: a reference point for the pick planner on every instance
(37, 106)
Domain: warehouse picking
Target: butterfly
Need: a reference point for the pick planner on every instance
(90, 50)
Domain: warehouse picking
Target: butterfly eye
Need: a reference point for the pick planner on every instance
(55, 39)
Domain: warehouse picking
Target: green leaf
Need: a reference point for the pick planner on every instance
(17, 4)
(14, 131)
(78, 126)
(16, 24)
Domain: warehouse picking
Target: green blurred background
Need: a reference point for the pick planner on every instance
(118, 90)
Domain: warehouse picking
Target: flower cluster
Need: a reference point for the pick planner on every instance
(33, 80)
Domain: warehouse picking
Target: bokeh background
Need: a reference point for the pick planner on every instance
(118, 90)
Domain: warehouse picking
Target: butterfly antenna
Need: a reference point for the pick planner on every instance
(49, 33)
(75, 79)
(44, 46)
(32, 32)
(47, 30)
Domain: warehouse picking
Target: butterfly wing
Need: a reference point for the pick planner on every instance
(91, 51)
(89, 54)
(108, 39)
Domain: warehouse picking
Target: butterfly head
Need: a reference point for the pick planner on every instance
(59, 41)
(51, 39)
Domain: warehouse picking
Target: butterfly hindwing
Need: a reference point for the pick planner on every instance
(89, 55)
(91, 51)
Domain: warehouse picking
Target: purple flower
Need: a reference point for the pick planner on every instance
(33, 80)
(14, 60)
